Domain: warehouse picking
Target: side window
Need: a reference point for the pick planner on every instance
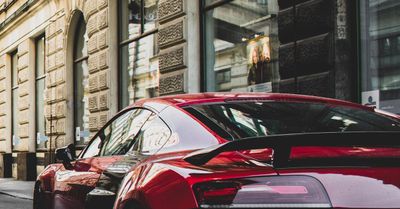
(93, 149)
(119, 136)
(153, 136)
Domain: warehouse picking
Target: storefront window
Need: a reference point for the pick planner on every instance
(81, 77)
(15, 98)
(380, 54)
(139, 72)
(241, 45)
(40, 75)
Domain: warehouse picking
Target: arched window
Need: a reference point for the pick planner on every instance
(81, 75)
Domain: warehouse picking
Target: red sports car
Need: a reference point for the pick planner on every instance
(222, 150)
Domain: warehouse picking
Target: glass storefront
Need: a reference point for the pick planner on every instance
(241, 46)
(81, 82)
(380, 54)
(139, 72)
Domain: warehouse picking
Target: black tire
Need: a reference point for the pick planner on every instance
(37, 197)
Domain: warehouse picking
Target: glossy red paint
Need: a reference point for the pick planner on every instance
(165, 181)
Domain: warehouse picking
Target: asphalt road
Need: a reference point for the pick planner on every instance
(8, 202)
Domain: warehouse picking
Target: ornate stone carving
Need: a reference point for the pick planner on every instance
(103, 80)
(93, 121)
(90, 7)
(92, 25)
(61, 109)
(51, 62)
(172, 84)
(103, 101)
(60, 126)
(102, 19)
(103, 60)
(102, 4)
(92, 63)
(60, 92)
(172, 60)
(103, 118)
(102, 41)
(92, 44)
(172, 34)
(60, 41)
(93, 83)
(60, 58)
(93, 105)
(170, 8)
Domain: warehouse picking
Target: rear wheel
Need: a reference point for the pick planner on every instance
(37, 197)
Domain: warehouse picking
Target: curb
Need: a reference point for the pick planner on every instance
(25, 197)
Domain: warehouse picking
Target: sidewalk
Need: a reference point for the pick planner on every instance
(19, 189)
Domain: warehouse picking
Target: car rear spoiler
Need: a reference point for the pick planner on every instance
(282, 144)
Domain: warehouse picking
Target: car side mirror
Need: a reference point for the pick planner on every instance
(66, 155)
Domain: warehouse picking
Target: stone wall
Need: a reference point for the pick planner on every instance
(97, 16)
(179, 41)
(312, 60)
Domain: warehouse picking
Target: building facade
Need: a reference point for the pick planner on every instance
(67, 66)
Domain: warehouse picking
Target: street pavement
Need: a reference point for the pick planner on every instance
(9, 202)
(16, 194)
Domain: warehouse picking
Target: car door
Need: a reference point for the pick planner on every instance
(105, 149)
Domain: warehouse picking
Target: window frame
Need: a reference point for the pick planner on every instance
(123, 43)
(14, 89)
(75, 62)
(139, 151)
(83, 152)
(39, 78)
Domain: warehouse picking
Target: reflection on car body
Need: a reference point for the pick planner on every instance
(216, 150)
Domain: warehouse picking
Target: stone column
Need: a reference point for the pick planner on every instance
(26, 161)
(55, 94)
(5, 142)
(101, 103)
(179, 41)
(314, 53)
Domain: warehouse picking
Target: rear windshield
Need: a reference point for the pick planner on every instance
(250, 119)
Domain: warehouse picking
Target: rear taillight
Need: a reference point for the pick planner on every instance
(263, 192)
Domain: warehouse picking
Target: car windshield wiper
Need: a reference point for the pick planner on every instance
(282, 144)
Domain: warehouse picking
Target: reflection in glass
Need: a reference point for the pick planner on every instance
(380, 53)
(40, 86)
(150, 14)
(130, 18)
(81, 83)
(139, 73)
(241, 46)
(15, 96)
